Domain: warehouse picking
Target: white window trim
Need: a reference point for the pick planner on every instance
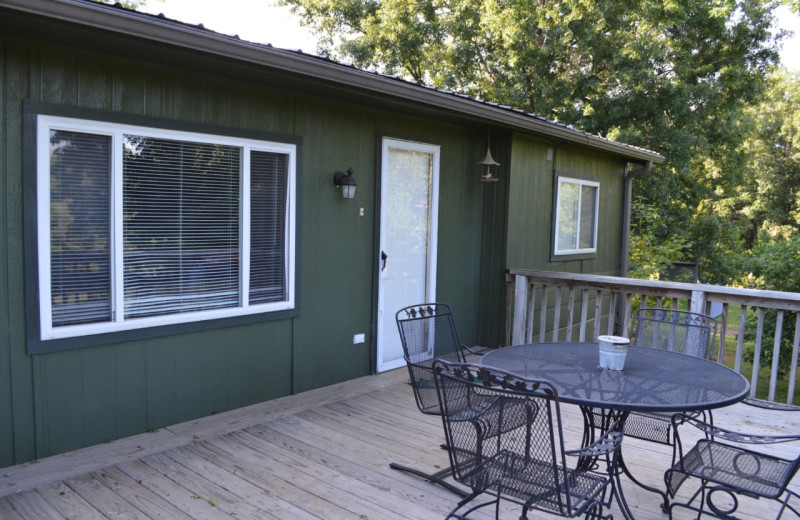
(576, 251)
(46, 123)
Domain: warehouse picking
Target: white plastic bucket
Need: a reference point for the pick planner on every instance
(612, 351)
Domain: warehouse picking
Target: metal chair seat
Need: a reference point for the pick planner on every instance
(492, 416)
(652, 426)
(514, 475)
(750, 472)
(724, 463)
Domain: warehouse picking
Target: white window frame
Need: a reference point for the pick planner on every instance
(46, 123)
(581, 183)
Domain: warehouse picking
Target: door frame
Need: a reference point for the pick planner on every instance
(386, 142)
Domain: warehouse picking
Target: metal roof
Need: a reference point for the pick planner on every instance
(159, 29)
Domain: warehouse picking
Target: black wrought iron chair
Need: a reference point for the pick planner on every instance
(677, 331)
(524, 464)
(728, 467)
(427, 332)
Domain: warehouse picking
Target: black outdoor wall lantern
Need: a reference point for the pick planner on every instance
(346, 182)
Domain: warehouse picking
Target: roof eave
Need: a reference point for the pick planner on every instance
(108, 18)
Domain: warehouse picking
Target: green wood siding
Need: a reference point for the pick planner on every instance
(65, 400)
(530, 213)
(532, 197)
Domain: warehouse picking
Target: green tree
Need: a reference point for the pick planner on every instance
(771, 197)
(668, 75)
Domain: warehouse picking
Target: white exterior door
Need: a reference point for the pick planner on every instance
(407, 258)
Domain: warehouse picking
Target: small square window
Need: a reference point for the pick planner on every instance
(576, 216)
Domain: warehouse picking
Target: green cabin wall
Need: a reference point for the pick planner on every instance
(531, 206)
(531, 213)
(65, 400)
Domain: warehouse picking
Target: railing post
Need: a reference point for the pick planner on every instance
(520, 309)
(698, 304)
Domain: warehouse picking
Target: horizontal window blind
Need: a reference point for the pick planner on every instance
(268, 185)
(80, 232)
(181, 226)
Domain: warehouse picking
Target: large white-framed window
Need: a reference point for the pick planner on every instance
(577, 203)
(142, 227)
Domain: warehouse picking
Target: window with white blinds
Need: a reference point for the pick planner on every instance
(143, 227)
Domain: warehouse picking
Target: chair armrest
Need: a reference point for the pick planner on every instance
(608, 442)
(713, 432)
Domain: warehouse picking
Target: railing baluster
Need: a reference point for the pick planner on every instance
(557, 314)
(520, 303)
(626, 316)
(598, 313)
(531, 310)
(793, 372)
(584, 314)
(757, 352)
(776, 355)
(570, 312)
(740, 338)
(509, 311)
(723, 334)
(543, 314)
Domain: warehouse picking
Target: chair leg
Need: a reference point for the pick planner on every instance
(463, 516)
(786, 505)
(436, 478)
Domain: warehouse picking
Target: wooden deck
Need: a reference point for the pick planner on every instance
(323, 454)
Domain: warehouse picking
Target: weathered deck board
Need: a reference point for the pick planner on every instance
(321, 455)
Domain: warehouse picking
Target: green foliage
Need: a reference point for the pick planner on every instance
(771, 195)
(649, 256)
(673, 76)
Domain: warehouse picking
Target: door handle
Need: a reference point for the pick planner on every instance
(384, 256)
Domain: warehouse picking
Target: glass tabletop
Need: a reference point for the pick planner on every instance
(652, 379)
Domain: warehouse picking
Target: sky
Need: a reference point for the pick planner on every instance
(258, 21)
(262, 22)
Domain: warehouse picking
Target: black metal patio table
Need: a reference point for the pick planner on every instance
(652, 381)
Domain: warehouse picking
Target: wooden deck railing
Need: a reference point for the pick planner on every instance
(552, 306)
